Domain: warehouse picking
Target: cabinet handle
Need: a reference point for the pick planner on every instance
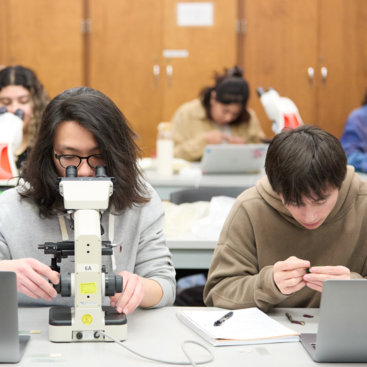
(311, 73)
(169, 71)
(324, 75)
(156, 75)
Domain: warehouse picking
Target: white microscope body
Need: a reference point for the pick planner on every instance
(86, 196)
(11, 134)
(281, 110)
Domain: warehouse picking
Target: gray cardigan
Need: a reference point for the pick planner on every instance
(138, 233)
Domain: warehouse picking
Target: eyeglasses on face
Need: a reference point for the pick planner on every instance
(67, 160)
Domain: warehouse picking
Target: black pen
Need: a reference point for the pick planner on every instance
(224, 318)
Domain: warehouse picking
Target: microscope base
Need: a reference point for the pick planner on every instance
(62, 326)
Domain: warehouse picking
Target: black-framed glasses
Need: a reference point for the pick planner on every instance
(67, 160)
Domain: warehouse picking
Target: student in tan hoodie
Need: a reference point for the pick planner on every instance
(310, 209)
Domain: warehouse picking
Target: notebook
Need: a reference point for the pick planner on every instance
(233, 158)
(12, 345)
(248, 326)
(342, 332)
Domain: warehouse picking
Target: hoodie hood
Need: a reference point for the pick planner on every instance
(346, 197)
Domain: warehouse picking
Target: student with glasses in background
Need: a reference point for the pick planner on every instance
(84, 128)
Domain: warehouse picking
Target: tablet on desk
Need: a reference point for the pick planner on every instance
(228, 158)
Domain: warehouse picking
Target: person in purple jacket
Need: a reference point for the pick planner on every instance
(354, 138)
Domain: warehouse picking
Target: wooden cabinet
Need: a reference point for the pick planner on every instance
(44, 36)
(125, 47)
(343, 53)
(210, 49)
(127, 61)
(285, 38)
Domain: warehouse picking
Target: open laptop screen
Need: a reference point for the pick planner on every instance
(228, 158)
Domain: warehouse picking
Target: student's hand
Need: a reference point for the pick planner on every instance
(318, 274)
(236, 140)
(133, 293)
(215, 137)
(30, 277)
(288, 274)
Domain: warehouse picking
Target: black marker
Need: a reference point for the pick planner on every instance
(224, 318)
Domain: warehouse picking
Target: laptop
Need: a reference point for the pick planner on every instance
(12, 345)
(233, 158)
(342, 331)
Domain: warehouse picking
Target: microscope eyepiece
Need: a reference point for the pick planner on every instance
(19, 113)
(101, 171)
(71, 171)
(3, 110)
(260, 91)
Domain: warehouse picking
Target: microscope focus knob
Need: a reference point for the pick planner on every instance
(64, 286)
(113, 284)
(118, 284)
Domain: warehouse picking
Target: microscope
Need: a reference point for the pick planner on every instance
(281, 110)
(84, 199)
(11, 134)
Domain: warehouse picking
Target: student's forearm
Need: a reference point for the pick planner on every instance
(153, 292)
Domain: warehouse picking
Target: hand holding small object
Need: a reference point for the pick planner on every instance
(318, 274)
(288, 274)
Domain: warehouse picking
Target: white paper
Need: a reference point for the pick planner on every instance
(210, 227)
(171, 54)
(180, 218)
(248, 324)
(195, 14)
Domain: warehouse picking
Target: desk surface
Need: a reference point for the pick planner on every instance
(158, 333)
(166, 185)
(245, 180)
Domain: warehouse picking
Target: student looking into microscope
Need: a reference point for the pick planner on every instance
(84, 128)
(219, 116)
(20, 89)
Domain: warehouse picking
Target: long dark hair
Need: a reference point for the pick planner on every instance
(97, 113)
(19, 75)
(230, 87)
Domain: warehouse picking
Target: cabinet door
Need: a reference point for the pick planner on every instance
(45, 36)
(124, 60)
(211, 48)
(3, 33)
(343, 54)
(280, 45)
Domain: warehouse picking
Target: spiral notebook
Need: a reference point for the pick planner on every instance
(248, 326)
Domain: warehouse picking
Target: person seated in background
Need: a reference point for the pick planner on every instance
(303, 223)
(20, 89)
(354, 138)
(219, 116)
(84, 128)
